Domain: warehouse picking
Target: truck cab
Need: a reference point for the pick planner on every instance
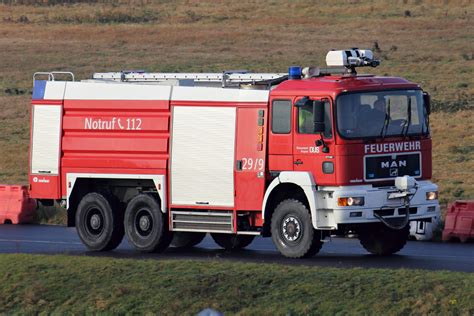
(353, 136)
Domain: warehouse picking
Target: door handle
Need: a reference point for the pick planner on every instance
(298, 162)
(239, 165)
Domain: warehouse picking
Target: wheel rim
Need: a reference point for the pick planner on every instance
(291, 229)
(143, 222)
(94, 221)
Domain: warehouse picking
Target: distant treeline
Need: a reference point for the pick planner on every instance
(60, 2)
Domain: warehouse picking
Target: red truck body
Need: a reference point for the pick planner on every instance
(221, 160)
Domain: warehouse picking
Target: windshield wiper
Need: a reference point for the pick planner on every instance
(408, 121)
(386, 121)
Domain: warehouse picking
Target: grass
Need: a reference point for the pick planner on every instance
(54, 215)
(431, 45)
(453, 155)
(427, 41)
(32, 284)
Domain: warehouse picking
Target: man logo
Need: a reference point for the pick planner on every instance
(394, 172)
(393, 164)
(35, 179)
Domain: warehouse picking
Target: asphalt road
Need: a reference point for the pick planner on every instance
(339, 252)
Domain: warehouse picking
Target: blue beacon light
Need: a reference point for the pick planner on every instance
(294, 72)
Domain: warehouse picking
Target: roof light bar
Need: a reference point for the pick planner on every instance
(351, 58)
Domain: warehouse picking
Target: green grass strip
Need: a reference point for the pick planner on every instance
(79, 284)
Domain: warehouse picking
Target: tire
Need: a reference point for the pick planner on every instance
(292, 230)
(99, 222)
(146, 226)
(381, 240)
(186, 240)
(232, 241)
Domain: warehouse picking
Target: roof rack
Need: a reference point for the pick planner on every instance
(50, 75)
(230, 78)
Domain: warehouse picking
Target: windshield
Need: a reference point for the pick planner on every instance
(381, 114)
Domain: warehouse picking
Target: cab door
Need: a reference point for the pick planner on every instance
(313, 151)
(280, 138)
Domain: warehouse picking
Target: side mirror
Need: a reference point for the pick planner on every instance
(427, 102)
(318, 116)
(302, 102)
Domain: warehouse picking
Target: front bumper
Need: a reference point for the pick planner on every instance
(329, 215)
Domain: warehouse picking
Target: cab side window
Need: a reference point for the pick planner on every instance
(281, 116)
(306, 121)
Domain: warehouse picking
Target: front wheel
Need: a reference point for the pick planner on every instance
(186, 240)
(232, 241)
(145, 225)
(292, 231)
(382, 240)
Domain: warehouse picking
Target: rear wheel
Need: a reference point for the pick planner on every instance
(292, 230)
(186, 240)
(382, 240)
(145, 225)
(232, 241)
(99, 222)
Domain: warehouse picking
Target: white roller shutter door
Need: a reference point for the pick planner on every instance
(202, 156)
(46, 139)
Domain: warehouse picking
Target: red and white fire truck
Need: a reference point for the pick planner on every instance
(298, 156)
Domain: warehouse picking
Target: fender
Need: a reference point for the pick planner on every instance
(302, 179)
(158, 180)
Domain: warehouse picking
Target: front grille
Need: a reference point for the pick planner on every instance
(385, 212)
(391, 211)
(388, 167)
(403, 211)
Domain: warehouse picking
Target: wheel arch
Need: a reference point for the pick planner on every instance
(123, 186)
(297, 185)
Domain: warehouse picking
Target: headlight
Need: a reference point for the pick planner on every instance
(350, 201)
(432, 195)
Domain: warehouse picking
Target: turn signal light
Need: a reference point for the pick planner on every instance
(432, 195)
(351, 201)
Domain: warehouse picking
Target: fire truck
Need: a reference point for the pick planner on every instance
(299, 157)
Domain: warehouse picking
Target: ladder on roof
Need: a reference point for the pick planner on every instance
(224, 79)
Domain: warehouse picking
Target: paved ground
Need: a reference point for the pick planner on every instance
(340, 252)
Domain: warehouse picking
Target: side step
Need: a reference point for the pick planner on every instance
(202, 221)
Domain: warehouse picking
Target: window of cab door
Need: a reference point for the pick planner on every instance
(305, 122)
(281, 116)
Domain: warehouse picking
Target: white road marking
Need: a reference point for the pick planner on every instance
(41, 241)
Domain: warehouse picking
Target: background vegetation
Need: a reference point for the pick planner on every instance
(78, 285)
(426, 41)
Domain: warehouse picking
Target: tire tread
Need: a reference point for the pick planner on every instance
(384, 241)
(117, 233)
(232, 241)
(310, 248)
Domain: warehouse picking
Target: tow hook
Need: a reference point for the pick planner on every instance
(405, 185)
